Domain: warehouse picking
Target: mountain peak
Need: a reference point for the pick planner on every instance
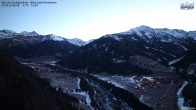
(33, 33)
(76, 41)
(143, 27)
(142, 30)
(147, 32)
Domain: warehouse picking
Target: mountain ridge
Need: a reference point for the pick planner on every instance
(4, 34)
(162, 46)
(143, 29)
(159, 32)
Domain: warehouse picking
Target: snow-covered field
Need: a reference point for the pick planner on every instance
(112, 82)
(181, 98)
(158, 92)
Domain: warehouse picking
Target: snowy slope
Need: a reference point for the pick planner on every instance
(35, 36)
(175, 61)
(164, 34)
(192, 34)
(77, 41)
(6, 33)
(53, 37)
(143, 30)
(9, 34)
(25, 33)
(181, 99)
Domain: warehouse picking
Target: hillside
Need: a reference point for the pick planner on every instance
(21, 90)
(113, 53)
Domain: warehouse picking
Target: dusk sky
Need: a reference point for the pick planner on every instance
(88, 19)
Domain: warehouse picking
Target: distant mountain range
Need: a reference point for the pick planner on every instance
(32, 44)
(11, 34)
(165, 34)
(114, 53)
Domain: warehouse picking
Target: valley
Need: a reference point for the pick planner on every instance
(157, 90)
(73, 83)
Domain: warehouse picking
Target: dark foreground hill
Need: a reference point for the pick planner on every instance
(21, 90)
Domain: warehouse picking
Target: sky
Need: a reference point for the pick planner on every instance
(90, 19)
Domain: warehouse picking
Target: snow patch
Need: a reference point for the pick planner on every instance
(192, 34)
(175, 61)
(115, 60)
(6, 33)
(148, 78)
(56, 38)
(192, 69)
(58, 84)
(183, 47)
(112, 82)
(141, 98)
(80, 93)
(114, 37)
(143, 31)
(106, 49)
(146, 47)
(132, 79)
(180, 101)
(78, 83)
(88, 100)
(173, 32)
(33, 33)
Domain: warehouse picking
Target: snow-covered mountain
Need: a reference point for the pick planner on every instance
(77, 41)
(38, 37)
(10, 34)
(53, 37)
(6, 33)
(114, 53)
(32, 44)
(165, 34)
(25, 33)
